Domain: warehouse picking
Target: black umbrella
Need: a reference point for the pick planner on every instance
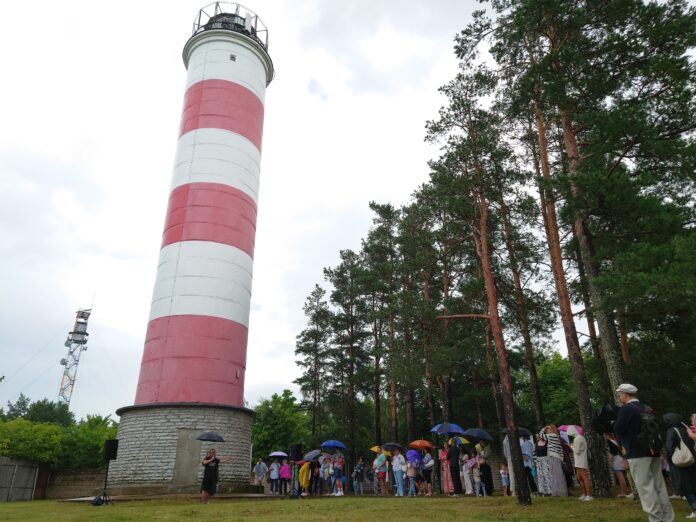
(312, 455)
(521, 431)
(209, 436)
(478, 433)
(391, 446)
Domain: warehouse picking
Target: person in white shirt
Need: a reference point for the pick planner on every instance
(398, 464)
(579, 445)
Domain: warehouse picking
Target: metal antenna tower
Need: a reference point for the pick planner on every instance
(76, 343)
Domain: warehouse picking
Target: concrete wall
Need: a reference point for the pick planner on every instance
(17, 479)
(76, 483)
(158, 451)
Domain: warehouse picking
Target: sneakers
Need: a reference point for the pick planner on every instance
(581, 497)
(587, 498)
(691, 515)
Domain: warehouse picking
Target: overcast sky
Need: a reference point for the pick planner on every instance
(90, 103)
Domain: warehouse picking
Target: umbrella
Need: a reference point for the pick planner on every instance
(312, 455)
(521, 431)
(477, 433)
(391, 446)
(565, 427)
(446, 428)
(373, 449)
(420, 444)
(458, 440)
(413, 456)
(278, 454)
(209, 436)
(333, 444)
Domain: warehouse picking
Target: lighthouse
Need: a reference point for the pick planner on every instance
(194, 358)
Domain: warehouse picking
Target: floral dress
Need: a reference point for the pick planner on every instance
(447, 486)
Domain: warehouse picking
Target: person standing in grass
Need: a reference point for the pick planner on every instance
(484, 454)
(274, 476)
(427, 466)
(643, 461)
(447, 486)
(504, 478)
(211, 474)
(559, 486)
(260, 470)
(676, 437)
(542, 464)
(359, 477)
(579, 446)
(338, 465)
(379, 466)
(398, 464)
(284, 475)
(618, 464)
(412, 473)
(453, 458)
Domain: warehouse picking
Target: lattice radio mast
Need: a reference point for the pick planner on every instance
(76, 343)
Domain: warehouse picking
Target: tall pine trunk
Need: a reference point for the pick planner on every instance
(522, 486)
(522, 316)
(598, 469)
(378, 400)
(393, 395)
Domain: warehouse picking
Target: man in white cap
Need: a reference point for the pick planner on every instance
(631, 426)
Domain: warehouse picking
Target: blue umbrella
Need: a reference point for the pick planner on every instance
(333, 444)
(477, 433)
(312, 455)
(446, 428)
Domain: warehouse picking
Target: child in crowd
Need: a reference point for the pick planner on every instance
(478, 485)
(505, 479)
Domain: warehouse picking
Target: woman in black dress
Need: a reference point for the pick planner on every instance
(210, 474)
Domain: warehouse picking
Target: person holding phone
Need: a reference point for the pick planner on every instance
(211, 474)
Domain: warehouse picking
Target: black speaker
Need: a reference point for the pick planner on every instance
(110, 450)
(296, 452)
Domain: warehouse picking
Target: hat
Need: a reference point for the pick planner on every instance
(627, 388)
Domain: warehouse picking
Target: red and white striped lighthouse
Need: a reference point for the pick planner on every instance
(194, 357)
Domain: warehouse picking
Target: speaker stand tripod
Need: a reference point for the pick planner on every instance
(105, 498)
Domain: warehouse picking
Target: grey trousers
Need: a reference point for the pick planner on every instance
(647, 474)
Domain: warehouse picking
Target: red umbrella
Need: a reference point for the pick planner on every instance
(420, 444)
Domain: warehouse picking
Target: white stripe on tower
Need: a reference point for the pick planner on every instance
(195, 347)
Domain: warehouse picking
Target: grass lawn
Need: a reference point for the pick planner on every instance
(344, 509)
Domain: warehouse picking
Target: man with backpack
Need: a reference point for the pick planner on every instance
(640, 436)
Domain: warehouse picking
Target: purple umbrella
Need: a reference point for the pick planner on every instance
(413, 456)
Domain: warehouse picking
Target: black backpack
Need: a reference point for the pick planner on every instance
(650, 435)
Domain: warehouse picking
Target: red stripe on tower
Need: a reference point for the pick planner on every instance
(225, 105)
(211, 212)
(186, 353)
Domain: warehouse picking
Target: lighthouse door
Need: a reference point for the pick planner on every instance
(188, 457)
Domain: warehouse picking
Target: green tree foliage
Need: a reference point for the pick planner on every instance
(38, 442)
(278, 423)
(51, 412)
(46, 432)
(83, 442)
(579, 140)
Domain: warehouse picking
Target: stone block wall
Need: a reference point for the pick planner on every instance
(158, 451)
(75, 483)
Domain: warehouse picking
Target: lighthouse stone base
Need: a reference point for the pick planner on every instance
(158, 452)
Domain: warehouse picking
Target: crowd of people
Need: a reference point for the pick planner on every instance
(642, 457)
